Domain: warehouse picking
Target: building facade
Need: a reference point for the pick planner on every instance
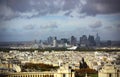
(109, 70)
(97, 40)
(83, 41)
(62, 72)
(73, 41)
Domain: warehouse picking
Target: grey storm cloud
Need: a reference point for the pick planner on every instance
(31, 8)
(97, 24)
(94, 7)
(50, 6)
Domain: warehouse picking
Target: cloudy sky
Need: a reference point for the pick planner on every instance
(22, 20)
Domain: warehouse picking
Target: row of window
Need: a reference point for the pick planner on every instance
(32, 76)
(110, 75)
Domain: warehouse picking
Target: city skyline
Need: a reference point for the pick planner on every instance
(27, 20)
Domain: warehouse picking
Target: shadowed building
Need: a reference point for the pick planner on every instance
(83, 41)
(73, 41)
(91, 40)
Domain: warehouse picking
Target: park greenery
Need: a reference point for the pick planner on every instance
(84, 71)
(59, 49)
(38, 67)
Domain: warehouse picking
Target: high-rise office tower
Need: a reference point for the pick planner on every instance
(54, 42)
(73, 41)
(97, 40)
(91, 40)
(83, 41)
(50, 40)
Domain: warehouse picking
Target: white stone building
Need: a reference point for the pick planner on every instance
(109, 70)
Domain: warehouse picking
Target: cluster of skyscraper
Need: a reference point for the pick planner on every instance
(84, 41)
(90, 41)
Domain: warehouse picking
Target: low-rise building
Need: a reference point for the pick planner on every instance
(109, 70)
(61, 72)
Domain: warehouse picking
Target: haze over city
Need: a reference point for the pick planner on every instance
(26, 20)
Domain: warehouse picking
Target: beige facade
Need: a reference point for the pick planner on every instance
(62, 72)
(109, 70)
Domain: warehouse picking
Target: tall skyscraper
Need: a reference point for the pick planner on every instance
(91, 40)
(50, 40)
(73, 41)
(97, 40)
(83, 41)
(54, 42)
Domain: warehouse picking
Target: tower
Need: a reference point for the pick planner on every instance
(83, 41)
(54, 41)
(91, 40)
(73, 40)
(49, 40)
(97, 40)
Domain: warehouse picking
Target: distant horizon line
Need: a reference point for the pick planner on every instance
(46, 40)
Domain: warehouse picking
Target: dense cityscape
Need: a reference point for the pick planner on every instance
(85, 57)
(91, 41)
(59, 38)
